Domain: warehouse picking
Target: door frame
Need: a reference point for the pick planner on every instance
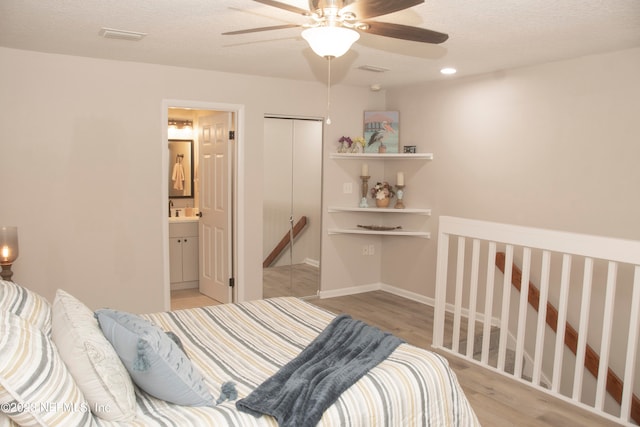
(238, 189)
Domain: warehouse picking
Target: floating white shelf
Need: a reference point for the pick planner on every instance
(380, 210)
(422, 234)
(391, 210)
(382, 156)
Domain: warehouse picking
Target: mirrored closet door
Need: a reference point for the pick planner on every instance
(292, 185)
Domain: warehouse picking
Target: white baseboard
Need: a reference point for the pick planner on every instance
(178, 286)
(312, 262)
(408, 294)
(399, 292)
(353, 290)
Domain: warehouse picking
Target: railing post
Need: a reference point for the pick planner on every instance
(441, 289)
(473, 297)
(488, 302)
(626, 412)
(457, 308)
(542, 317)
(607, 323)
(506, 297)
(581, 348)
(562, 323)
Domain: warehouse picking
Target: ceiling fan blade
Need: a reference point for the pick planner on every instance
(405, 32)
(365, 9)
(256, 30)
(284, 6)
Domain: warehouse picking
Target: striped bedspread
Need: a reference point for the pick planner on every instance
(248, 342)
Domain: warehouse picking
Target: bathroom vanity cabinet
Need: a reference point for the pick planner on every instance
(183, 254)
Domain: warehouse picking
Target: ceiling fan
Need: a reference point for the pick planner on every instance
(333, 23)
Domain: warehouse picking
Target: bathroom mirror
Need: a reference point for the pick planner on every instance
(180, 168)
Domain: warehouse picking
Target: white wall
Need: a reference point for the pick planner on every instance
(554, 145)
(81, 167)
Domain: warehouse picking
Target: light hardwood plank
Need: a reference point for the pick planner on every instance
(190, 298)
(298, 280)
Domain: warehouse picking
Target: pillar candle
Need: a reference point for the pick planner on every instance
(400, 178)
(8, 244)
(365, 170)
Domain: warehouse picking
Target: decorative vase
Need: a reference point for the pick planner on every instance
(383, 203)
(382, 148)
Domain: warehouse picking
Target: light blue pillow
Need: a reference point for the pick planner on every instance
(154, 361)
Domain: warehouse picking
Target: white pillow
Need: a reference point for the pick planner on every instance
(27, 304)
(91, 359)
(36, 389)
(5, 421)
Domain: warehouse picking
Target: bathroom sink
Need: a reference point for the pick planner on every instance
(183, 219)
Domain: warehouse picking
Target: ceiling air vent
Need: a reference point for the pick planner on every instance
(373, 68)
(111, 33)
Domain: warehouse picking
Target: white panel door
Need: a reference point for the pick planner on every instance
(215, 206)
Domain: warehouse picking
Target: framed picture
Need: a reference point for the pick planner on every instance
(381, 131)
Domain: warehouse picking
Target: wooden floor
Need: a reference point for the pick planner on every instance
(497, 400)
(190, 298)
(298, 280)
(276, 280)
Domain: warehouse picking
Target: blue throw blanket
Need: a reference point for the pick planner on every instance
(299, 393)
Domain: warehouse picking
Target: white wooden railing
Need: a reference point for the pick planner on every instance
(593, 281)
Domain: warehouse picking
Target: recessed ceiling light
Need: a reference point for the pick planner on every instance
(448, 71)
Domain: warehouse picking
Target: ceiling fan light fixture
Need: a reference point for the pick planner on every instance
(330, 41)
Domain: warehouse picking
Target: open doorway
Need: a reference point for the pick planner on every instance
(201, 232)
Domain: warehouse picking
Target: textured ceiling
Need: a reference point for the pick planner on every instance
(485, 36)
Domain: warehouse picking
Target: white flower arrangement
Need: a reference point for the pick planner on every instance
(382, 190)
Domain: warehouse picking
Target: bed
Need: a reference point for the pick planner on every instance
(244, 344)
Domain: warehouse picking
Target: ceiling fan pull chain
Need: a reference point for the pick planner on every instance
(328, 121)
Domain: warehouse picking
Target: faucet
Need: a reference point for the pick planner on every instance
(170, 206)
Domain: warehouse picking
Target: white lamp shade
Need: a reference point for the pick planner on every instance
(330, 41)
(8, 244)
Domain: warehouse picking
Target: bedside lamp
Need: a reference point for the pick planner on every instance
(8, 250)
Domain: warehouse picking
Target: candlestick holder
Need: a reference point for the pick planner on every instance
(365, 191)
(399, 194)
(6, 272)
